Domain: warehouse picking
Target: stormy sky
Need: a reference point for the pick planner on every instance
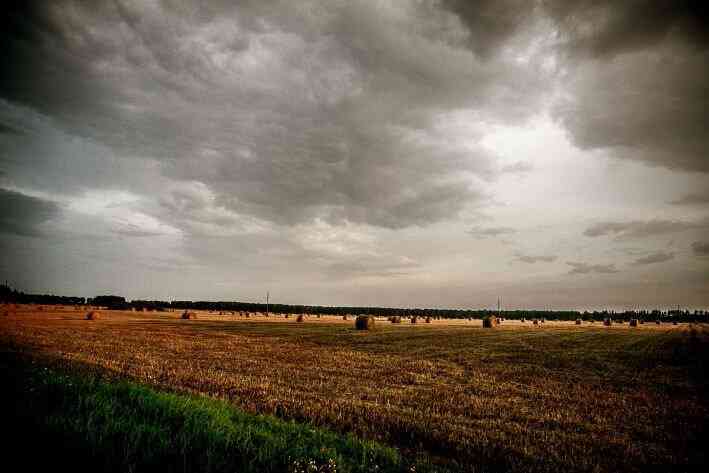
(413, 153)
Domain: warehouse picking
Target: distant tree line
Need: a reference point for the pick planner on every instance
(10, 295)
(113, 302)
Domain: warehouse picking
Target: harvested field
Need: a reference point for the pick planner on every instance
(557, 397)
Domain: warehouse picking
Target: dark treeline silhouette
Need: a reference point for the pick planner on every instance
(8, 294)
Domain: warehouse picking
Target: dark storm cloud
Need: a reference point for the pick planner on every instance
(22, 214)
(638, 83)
(9, 130)
(286, 112)
(608, 27)
(586, 268)
(535, 259)
(480, 232)
(658, 257)
(700, 248)
(641, 229)
(490, 23)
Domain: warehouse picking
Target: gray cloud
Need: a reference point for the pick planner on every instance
(490, 232)
(535, 259)
(640, 229)
(284, 115)
(658, 257)
(585, 268)
(490, 23)
(9, 130)
(23, 215)
(607, 28)
(636, 79)
(692, 199)
(520, 167)
(700, 248)
(287, 144)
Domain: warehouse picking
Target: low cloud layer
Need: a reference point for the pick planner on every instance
(535, 259)
(659, 257)
(640, 229)
(586, 268)
(692, 199)
(490, 232)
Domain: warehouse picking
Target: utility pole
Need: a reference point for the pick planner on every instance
(498, 307)
(267, 303)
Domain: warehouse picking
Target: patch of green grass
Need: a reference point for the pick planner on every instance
(83, 423)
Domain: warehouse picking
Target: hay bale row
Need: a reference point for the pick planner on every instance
(364, 322)
(395, 319)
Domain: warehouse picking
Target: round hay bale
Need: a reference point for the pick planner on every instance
(536, 322)
(607, 322)
(287, 315)
(543, 320)
(428, 320)
(189, 315)
(633, 322)
(490, 321)
(414, 319)
(578, 321)
(300, 318)
(395, 319)
(674, 322)
(318, 316)
(364, 322)
(93, 315)
(247, 315)
(642, 321)
(523, 320)
(344, 317)
(658, 322)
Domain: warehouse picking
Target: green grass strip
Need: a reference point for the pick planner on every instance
(98, 425)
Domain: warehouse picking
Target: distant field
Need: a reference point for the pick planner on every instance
(554, 397)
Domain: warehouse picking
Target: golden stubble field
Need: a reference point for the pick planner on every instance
(519, 397)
